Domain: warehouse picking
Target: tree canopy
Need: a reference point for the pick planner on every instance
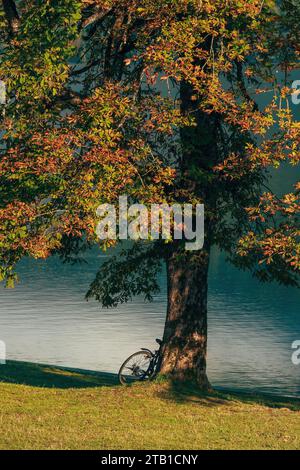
(105, 97)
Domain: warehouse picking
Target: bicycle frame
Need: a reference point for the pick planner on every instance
(137, 373)
(152, 369)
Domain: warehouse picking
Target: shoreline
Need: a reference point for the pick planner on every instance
(111, 378)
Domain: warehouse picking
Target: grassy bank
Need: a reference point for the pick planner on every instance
(44, 407)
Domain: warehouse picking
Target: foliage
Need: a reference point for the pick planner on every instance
(160, 100)
(132, 272)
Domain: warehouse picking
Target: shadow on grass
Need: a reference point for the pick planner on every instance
(42, 375)
(189, 393)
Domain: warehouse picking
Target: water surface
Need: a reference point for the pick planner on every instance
(251, 326)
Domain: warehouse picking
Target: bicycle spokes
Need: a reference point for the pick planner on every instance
(135, 367)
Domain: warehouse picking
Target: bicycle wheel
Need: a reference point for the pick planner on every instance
(135, 368)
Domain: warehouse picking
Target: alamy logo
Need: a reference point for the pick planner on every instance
(2, 352)
(160, 221)
(296, 353)
(2, 92)
(296, 92)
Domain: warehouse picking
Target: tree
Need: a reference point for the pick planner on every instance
(157, 100)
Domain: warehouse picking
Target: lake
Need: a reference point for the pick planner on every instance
(251, 326)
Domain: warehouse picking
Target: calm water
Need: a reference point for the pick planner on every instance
(251, 327)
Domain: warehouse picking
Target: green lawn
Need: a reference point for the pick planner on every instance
(44, 407)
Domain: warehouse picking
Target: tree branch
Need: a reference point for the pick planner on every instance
(12, 15)
(97, 16)
(242, 86)
(86, 68)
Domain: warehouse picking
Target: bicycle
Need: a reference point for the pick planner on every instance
(142, 365)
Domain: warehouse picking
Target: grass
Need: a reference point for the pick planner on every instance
(44, 407)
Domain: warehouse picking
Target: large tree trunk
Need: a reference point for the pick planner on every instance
(185, 335)
(12, 16)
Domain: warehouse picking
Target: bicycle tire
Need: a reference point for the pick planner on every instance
(138, 375)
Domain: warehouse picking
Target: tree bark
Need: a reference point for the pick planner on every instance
(12, 16)
(185, 335)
